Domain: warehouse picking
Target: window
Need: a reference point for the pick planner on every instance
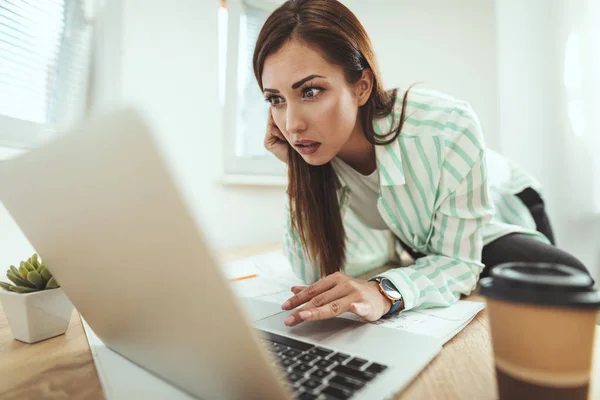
(245, 111)
(44, 60)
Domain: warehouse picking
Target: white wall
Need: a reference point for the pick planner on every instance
(534, 129)
(13, 243)
(14, 247)
(169, 69)
(448, 45)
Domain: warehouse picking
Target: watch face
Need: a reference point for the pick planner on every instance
(389, 288)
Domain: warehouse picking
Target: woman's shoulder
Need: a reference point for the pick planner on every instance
(433, 113)
(425, 105)
(441, 128)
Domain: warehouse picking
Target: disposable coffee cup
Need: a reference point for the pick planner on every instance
(543, 323)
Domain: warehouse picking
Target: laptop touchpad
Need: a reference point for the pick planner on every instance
(319, 331)
(258, 309)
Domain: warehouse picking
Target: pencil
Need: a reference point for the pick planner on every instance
(241, 278)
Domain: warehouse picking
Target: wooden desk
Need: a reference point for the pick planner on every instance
(62, 367)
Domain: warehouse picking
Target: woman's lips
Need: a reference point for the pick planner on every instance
(307, 147)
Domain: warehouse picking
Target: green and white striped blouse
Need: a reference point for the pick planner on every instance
(442, 193)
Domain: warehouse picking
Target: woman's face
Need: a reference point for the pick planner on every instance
(312, 104)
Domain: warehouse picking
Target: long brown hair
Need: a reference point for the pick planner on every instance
(338, 35)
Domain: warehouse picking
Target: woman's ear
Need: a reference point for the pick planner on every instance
(364, 86)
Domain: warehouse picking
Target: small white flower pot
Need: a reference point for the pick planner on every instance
(36, 316)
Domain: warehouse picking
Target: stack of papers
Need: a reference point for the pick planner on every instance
(274, 279)
(273, 272)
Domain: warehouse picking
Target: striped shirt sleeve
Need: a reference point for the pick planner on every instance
(456, 244)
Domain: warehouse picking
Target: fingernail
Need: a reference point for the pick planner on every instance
(285, 305)
(289, 320)
(305, 314)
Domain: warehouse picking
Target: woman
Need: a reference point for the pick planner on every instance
(366, 164)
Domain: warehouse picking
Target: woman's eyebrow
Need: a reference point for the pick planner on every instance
(308, 78)
(297, 84)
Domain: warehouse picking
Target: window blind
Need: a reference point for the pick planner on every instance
(44, 60)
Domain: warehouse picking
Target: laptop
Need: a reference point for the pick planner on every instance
(102, 207)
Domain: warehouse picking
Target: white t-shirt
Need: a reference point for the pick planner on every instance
(365, 191)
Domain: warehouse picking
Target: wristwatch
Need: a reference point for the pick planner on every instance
(387, 288)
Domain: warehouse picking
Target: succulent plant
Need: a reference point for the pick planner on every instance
(31, 276)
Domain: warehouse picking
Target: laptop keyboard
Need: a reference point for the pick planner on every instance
(315, 372)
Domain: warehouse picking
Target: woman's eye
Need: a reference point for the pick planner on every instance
(311, 92)
(274, 100)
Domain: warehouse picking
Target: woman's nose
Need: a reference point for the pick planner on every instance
(295, 122)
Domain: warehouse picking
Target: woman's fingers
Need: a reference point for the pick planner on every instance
(311, 291)
(331, 298)
(335, 308)
(275, 142)
(330, 310)
(297, 289)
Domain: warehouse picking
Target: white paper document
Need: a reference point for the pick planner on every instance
(442, 323)
(275, 278)
(273, 272)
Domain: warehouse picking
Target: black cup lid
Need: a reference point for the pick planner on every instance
(541, 284)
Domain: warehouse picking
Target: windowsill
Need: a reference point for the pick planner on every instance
(254, 180)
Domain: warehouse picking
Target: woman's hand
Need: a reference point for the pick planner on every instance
(334, 295)
(275, 141)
